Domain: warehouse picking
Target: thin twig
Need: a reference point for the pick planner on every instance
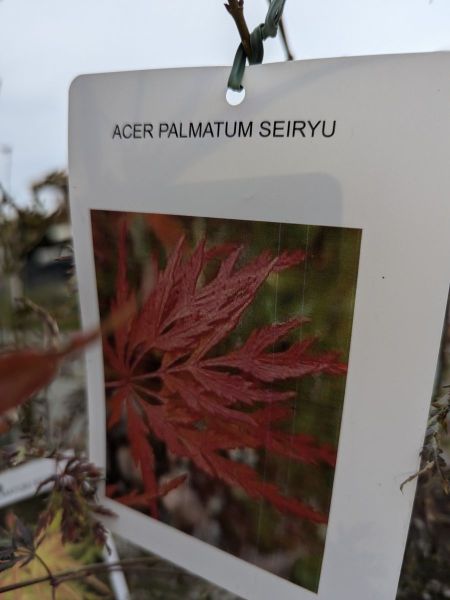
(52, 580)
(6, 199)
(284, 40)
(425, 469)
(236, 10)
(49, 323)
(58, 578)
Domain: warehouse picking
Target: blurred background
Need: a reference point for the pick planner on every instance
(44, 44)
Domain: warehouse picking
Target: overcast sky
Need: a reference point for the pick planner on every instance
(44, 44)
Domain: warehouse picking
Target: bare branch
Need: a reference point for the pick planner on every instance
(236, 9)
(284, 40)
(428, 467)
(58, 578)
(51, 328)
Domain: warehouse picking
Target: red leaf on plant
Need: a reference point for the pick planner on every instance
(238, 474)
(251, 358)
(23, 373)
(138, 500)
(169, 377)
(142, 451)
(167, 228)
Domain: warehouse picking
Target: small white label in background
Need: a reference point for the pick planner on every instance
(22, 482)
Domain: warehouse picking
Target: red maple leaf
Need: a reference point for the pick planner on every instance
(167, 379)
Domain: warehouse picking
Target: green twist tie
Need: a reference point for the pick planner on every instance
(267, 29)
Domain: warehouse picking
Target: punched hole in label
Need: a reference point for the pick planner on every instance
(234, 97)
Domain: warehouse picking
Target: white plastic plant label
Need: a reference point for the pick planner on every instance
(22, 482)
(287, 264)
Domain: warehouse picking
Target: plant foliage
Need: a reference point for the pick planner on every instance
(168, 377)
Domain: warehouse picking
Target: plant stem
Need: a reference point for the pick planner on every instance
(236, 9)
(51, 329)
(58, 578)
(284, 40)
(44, 564)
(50, 575)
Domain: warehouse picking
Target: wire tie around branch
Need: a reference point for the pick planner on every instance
(257, 38)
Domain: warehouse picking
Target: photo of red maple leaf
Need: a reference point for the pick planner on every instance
(182, 394)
